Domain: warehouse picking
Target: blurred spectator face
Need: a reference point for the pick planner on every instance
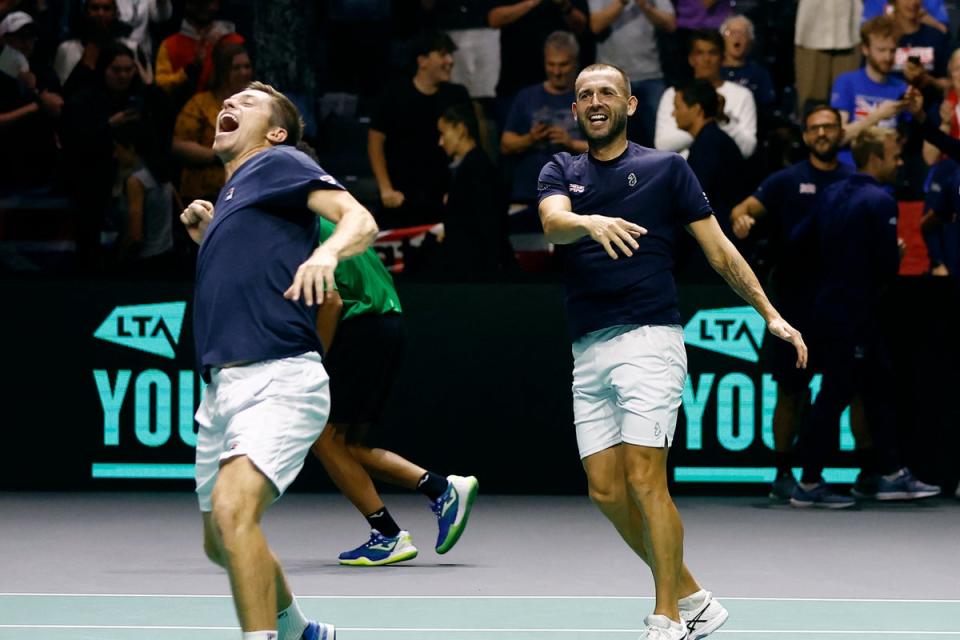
(23, 40)
(823, 134)
(241, 72)
(437, 66)
(101, 14)
(737, 38)
(879, 54)
(954, 70)
(561, 68)
(243, 123)
(451, 136)
(683, 114)
(705, 58)
(602, 106)
(908, 9)
(118, 75)
(201, 12)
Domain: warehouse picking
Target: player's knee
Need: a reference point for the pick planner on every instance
(231, 517)
(647, 481)
(608, 495)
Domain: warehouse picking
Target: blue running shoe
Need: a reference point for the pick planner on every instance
(905, 487)
(453, 510)
(821, 497)
(319, 631)
(380, 550)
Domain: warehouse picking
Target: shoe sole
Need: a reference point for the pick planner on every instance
(907, 495)
(820, 505)
(706, 630)
(457, 530)
(863, 496)
(367, 562)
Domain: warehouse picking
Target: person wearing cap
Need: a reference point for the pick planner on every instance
(29, 108)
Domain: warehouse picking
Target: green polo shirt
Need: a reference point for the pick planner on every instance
(364, 283)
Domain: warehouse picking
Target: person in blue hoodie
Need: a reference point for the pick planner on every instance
(854, 233)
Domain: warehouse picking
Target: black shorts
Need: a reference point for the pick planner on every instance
(363, 363)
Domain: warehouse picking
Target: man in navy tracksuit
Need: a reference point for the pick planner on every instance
(854, 234)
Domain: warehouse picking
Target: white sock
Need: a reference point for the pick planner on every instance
(260, 635)
(291, 622)
(693, 601)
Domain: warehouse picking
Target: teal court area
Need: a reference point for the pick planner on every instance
(130, 567)
(135, 617)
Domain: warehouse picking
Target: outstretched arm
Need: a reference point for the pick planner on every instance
(727, 261)
(563, 226)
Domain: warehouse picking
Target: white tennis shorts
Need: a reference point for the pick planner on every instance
(627, 386)
(270, 411)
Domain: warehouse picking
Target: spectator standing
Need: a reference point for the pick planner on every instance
(934, 12)
(475, 243)
(184, 61)
(76, 60)
(524, 26)
(825, 38)
(854, 234)
(627, 31)
(692, 16)
(30, 106)
(540, 123)
(410, 168)
(140, 14)
(203, 175)
(922, 51)
(738, 36)
(739, 109)
(476, 62)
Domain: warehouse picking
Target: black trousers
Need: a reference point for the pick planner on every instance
(851, 368)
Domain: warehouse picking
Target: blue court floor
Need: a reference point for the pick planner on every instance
(130, 567)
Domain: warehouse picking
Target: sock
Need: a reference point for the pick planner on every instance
(693, 601)
(260, 635)
(432, 485)
(784, 462)
(291, 622)
(382, 521)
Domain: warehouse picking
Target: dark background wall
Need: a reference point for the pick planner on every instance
(484, 389)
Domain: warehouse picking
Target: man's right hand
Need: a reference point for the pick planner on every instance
(742, 224)
(615, 232)
(196, 217)
(391, 198)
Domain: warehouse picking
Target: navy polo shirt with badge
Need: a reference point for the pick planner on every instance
(790, 196)
(654, 189)
(262, 231)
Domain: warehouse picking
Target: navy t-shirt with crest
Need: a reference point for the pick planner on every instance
(654, 189)
(261, 232)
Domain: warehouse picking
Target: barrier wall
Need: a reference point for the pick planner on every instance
(100, 390)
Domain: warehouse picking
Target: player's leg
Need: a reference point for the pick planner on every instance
(240, 497)
(387, 544)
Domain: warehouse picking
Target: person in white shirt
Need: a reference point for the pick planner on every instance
(139, 14)
(826, 36)
(739, 119)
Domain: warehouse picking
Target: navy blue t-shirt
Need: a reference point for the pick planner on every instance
(929, 44)
(790, 196)
(261, 232)
(654, 189)
(855, 231)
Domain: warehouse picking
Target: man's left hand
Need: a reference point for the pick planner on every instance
(313, 278)
(782, 329)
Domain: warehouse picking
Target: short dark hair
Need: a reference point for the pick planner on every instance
(431, 40)
(707, 35)
(463, 113)
(603, 66)
(284, 113)
(880, 26)
(817, 108)
(701, 92)
(869, 143)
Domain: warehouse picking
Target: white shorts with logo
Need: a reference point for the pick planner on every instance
(270, 411)
(627, 386)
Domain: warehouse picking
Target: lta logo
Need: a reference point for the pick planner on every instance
(154, 328)
(735, 331)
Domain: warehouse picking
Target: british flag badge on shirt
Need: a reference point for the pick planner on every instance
(229, 195)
